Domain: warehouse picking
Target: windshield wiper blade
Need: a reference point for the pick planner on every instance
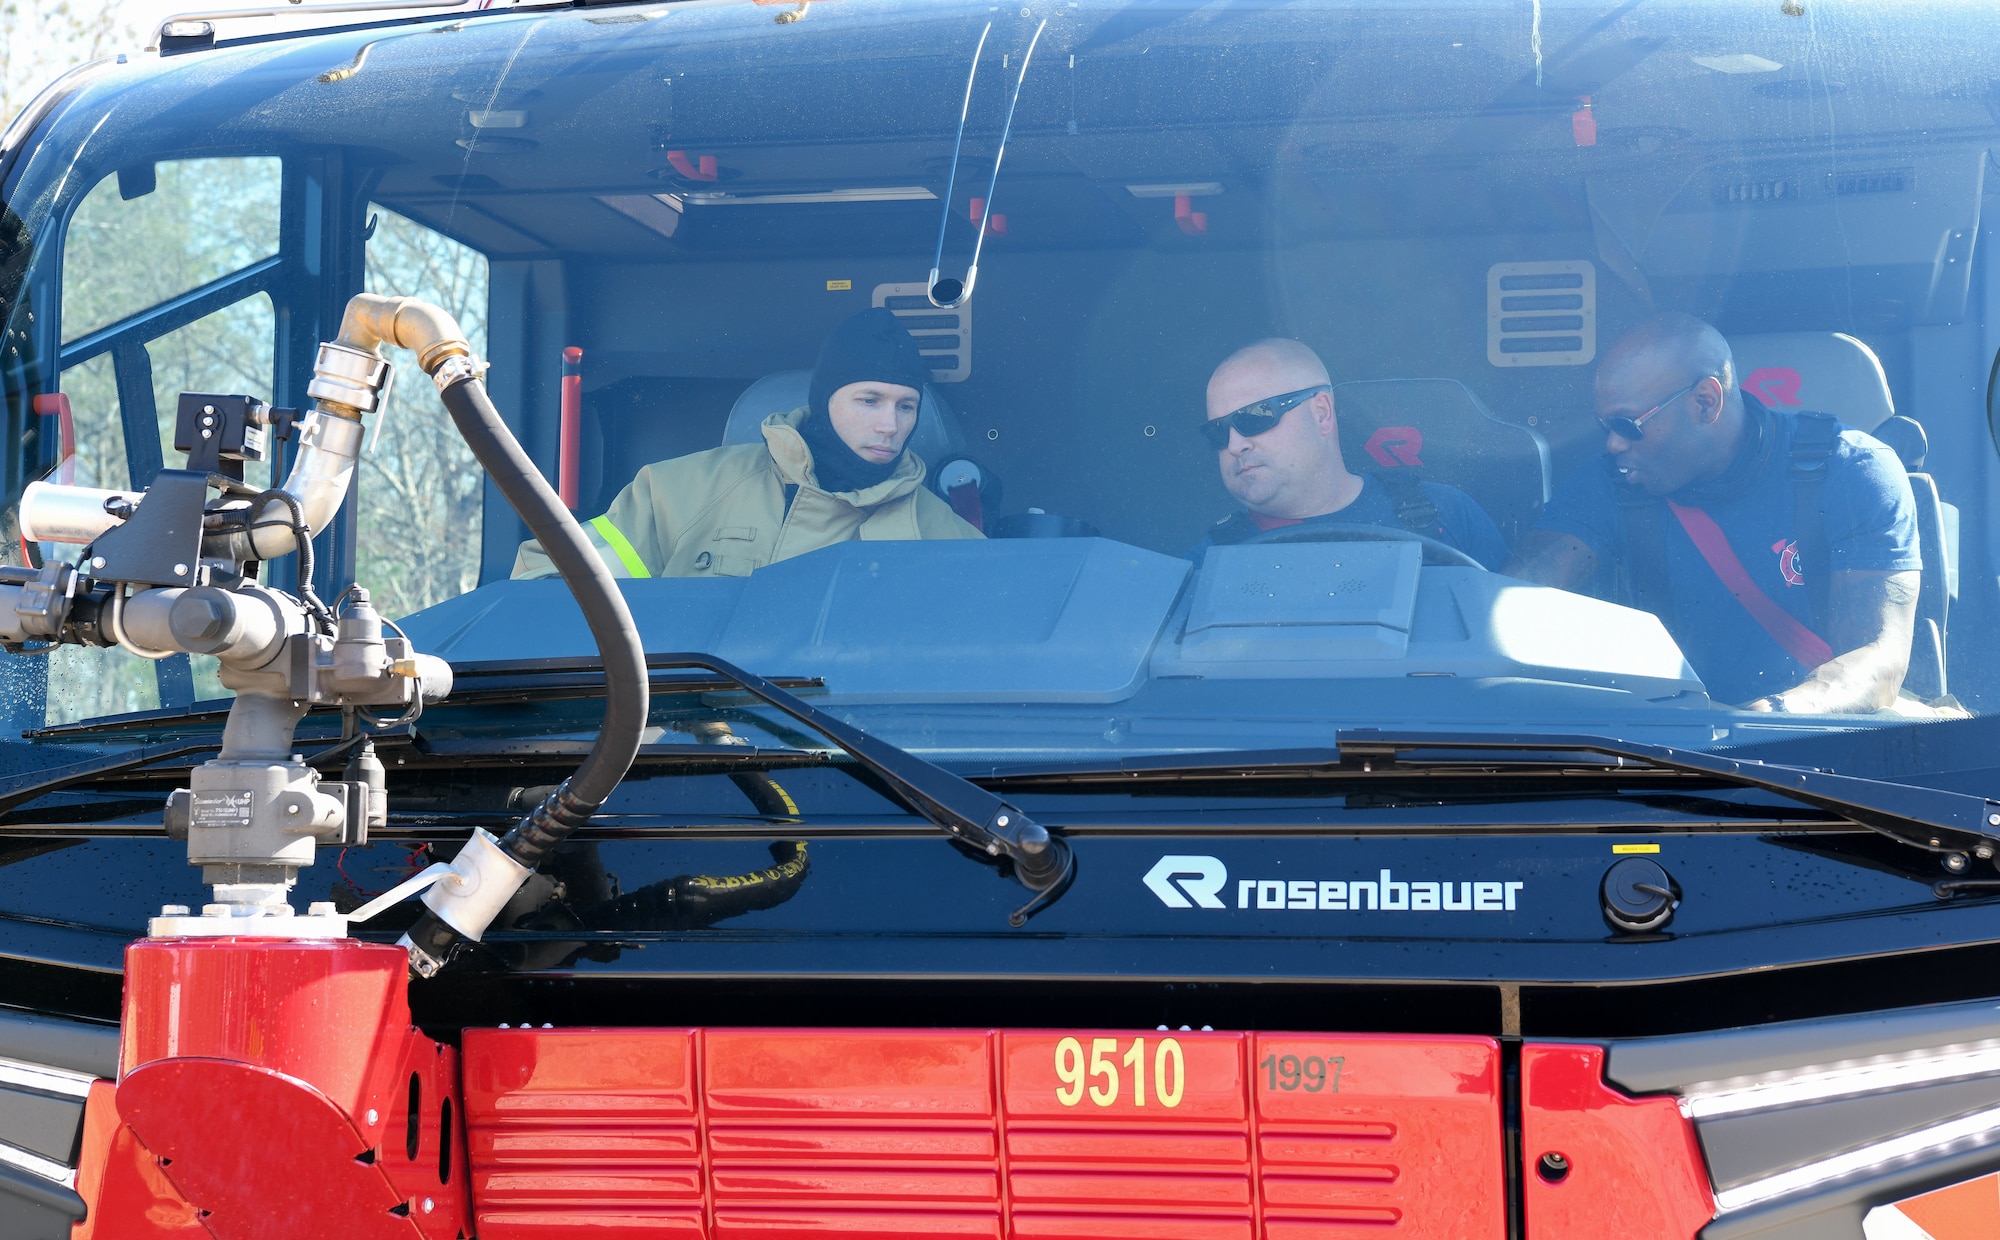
(484, 682)
(681, 758)
(213, 711)
(22, 789)
(1211, 764)
(1043, 862)
(1930, 819)
(540, 680)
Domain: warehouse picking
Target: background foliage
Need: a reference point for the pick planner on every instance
(39, 39)
(417, 490)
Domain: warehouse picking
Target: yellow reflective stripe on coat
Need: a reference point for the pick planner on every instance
(620, 545)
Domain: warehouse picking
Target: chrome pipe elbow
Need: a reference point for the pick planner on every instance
(350, 379)
(425, 330)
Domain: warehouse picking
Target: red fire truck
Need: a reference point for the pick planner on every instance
(1083, 619)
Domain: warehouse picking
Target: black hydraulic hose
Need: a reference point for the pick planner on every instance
(618, 646)
(584, 572)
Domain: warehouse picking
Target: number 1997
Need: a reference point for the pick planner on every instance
(1307, 1072)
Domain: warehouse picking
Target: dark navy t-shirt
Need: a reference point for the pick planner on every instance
(1465, 524)
(1871, 525)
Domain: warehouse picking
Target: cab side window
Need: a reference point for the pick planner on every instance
(155, 303)
(165, 279)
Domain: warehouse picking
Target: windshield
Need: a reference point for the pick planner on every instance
(1613, 370)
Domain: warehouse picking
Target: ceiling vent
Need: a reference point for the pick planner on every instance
(1541, 314)
(944, 337)
(1756, 191)
(1882, 181)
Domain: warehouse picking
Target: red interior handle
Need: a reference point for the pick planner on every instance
(571, 444)
(705, 170)
(1192, 222)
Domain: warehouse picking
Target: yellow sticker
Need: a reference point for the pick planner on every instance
(839, 286)
(1635, 848)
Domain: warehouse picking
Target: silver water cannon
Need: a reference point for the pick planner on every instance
(172, 570)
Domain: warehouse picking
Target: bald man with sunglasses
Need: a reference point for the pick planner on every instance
(1717, 494)
(1271, 422)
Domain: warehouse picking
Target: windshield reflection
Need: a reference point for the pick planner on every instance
(1328, 366)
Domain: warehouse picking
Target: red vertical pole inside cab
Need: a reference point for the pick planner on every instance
(1583, 122)
(572, 426)
(56, 404)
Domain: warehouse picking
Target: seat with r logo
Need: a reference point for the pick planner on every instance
(1831, 372)
(1439, 430)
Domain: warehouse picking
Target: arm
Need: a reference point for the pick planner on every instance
(1468, 526)
(630, 547)
(1874, 614)
(935, 518)
(1552, 558)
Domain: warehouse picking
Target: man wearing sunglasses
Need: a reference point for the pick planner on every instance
(1271, 424)
(1780, 550)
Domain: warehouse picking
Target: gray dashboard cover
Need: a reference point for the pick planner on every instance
(1290, 601)
(1013, 620)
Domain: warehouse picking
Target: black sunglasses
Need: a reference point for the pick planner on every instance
(1254, 419)
(1632, 430)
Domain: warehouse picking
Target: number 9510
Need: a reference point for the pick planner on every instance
(1100, 1078)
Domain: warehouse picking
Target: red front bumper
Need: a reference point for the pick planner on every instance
(277, 1089)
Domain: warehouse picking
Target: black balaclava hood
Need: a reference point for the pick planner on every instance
(871, 346)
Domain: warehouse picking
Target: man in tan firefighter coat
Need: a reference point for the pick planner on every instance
(832, 470)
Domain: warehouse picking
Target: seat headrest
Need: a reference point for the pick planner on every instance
(936, 438)
(1440, 429)
(1906, 438)
(1825, 371)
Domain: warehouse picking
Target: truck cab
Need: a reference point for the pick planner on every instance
(1584, 826)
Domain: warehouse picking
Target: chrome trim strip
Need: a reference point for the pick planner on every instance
(350, 6)
(1842, 1082)
(35, 1164)
(1965, 1132)
(47, 1080)
(44, 102)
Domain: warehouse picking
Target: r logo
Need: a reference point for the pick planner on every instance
(1396, 445)
(1200, 877)
(1774, 385)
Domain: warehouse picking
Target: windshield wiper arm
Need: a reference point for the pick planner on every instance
(23, 789)
(1042, 862)
(1931, 819)
(20, 790)
(948, 294)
